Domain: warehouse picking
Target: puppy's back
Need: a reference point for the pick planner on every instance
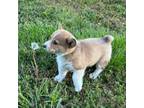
(94, 48)
(103, 40)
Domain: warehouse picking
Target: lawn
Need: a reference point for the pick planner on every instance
(38, 19)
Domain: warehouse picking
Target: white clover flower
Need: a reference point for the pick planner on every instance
(34, 46)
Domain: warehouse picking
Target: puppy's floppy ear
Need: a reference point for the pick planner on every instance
(70, 42)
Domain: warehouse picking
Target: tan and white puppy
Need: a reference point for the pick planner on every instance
(76, 55)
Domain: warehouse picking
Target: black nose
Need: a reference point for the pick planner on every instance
(44, 46)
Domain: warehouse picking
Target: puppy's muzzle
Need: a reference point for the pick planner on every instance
(47, 47)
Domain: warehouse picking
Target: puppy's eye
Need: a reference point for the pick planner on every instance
(55, 42)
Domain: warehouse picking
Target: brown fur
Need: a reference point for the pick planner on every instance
(76, 55)
(86, 53)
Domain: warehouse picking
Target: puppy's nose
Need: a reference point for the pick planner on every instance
(44, 46)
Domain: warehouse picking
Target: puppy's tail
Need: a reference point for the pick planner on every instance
(108, 38)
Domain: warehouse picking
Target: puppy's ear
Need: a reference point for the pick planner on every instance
(70, 42)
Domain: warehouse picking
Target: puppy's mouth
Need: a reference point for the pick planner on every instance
(50, 50)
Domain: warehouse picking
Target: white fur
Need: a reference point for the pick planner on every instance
(96, 73)
(47, 43)
(101, 54)
(78, 79)
(63, 67)
(61, 70)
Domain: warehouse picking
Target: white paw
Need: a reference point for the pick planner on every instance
(78, 89)
(58, 78)
(93, 76)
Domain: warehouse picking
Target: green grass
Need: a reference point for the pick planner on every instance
(84, 18)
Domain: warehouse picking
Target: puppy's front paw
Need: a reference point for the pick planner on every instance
(78, 89)
(58, 78)
(93, 76)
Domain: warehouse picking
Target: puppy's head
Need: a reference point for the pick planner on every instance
(61, 42)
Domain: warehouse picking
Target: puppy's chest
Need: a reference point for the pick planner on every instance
(64, 63)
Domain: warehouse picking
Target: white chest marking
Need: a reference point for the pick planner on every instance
(64, 64)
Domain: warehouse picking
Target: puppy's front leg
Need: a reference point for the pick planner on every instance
(61, 74)
(78, 79)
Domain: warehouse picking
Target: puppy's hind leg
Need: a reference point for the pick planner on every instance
(96, 73)
(103, 62)
(100, 67)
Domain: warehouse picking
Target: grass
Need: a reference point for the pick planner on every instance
(84, 18)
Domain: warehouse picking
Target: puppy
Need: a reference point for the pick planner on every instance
(76, 55)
